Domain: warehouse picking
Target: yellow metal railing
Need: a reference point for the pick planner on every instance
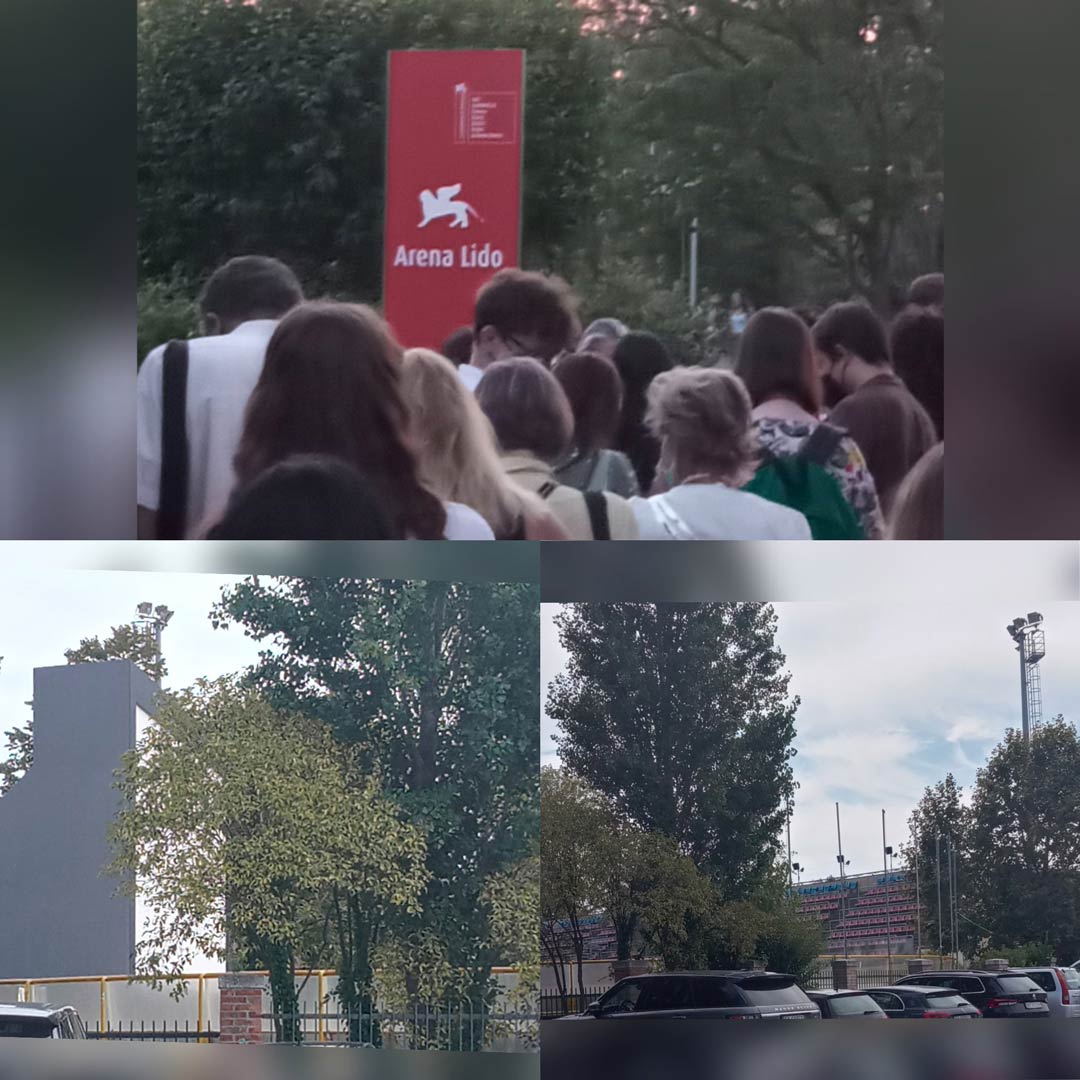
(26, 990)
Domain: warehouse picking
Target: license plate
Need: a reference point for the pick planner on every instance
(963, 1016)
(1032, 1004)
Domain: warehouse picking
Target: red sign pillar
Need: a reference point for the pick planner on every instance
(453, 185)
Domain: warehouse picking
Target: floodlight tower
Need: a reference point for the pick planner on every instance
(1030, 641)
(153, 620)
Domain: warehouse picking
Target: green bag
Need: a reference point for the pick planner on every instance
(802, 482)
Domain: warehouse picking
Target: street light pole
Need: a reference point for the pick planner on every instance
(693, 264)
(937, 874)
(843, 883)
(888, 916)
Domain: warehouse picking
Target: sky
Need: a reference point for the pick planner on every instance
(892, 698)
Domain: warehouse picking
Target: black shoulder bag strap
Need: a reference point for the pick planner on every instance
(173, 495)
(822, 441)
(596, 504)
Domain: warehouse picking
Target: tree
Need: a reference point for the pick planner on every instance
(815, 127)
(938, 824)
(679, 713)
(434, 687)
(247, 824)
(1025, 840)
(20, 755)
(125, 642)
(262, 127)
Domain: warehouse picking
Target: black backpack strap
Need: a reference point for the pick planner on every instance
(546, 488)
(596, 504)
(173, 496)
(822, 442)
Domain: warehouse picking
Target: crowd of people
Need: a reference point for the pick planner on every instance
(297, 419)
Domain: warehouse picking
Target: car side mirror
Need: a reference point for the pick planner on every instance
(593, 1009)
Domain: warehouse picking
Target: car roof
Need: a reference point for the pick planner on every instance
(711, 974)
(31, 1008)
(835, 993)
(962, 971)
(918, 988)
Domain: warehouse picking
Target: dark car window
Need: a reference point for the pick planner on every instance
(946, 1001)
(1017, 984)
(622, 998)
(664, 994)
(1072, 978)
(967, 984)
(889, 1002)
(772, 991)
(25, 1027)
(716, 994)
(853, 1005)
(1044, 979)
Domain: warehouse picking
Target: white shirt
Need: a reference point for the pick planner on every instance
(470, 375)
(464, 523)
(222, 372)
(716, 512)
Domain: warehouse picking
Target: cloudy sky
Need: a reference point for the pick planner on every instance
(893, 698)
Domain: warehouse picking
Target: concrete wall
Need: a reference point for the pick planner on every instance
(60, 915)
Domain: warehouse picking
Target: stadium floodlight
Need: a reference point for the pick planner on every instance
(144, 609)
(1034, 617)
(163, 614)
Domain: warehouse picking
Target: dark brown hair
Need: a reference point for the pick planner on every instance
(776, 359)
(927, 291)
(457, 348)
(918, 511)
(520, 303)
(330, 386)
(527, 408)
(250, 287)
(594, 390)
(857, 328)
(917, 343)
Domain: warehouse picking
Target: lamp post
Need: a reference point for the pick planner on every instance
(797, 867)
(153, 620)
(843, 882)
(886, 852)
(1027, 634)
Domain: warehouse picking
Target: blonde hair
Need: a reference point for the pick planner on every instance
(704, 416)
(918, 511)
(459, 460)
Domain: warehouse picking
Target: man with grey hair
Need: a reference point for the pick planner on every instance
(192, 395)
(601, 336)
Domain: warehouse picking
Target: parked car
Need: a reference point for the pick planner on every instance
(996, 994)
(35, 1020)
(846, 1005)
(704, 995)
(1062, 986)
(923, 1003)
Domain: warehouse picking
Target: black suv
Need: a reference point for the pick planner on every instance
(996, 994)
(846, 1005)
(923, 1003)
(705, 995)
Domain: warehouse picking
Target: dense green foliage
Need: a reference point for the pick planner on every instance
(1017, 844)
(433, 687)
(679, 713)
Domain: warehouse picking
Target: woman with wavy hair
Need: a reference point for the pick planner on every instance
(458, 456)
(331, 385)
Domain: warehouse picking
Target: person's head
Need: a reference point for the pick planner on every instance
(458, 457)
(594, 390)
(305, 497)
(808, 314)
(849, 339)
(457, 348)
(639, 358)
(917, 346)
(702, 418)
(776, 360)
(521, 313)
(928, 291)
(918, 511)
(330, 384)
(527, 408)
(601, 336)
(245, 288)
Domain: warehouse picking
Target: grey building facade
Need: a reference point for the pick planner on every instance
(59, 915)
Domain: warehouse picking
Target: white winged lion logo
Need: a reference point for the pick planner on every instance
(442, 204)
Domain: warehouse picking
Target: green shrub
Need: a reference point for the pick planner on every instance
(166, 310)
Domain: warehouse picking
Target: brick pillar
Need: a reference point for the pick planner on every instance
(622, 969)
(241, 1007)
(917, 967)
(845, 975)
(997, 963)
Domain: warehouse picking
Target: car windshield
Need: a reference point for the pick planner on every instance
(25, 1027)
(853, 1005)
(773, 991)
(946, 1001)
(1017, 984)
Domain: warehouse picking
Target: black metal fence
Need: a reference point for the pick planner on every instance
(459, 1025)
(154, 1031)
(553, 1004)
